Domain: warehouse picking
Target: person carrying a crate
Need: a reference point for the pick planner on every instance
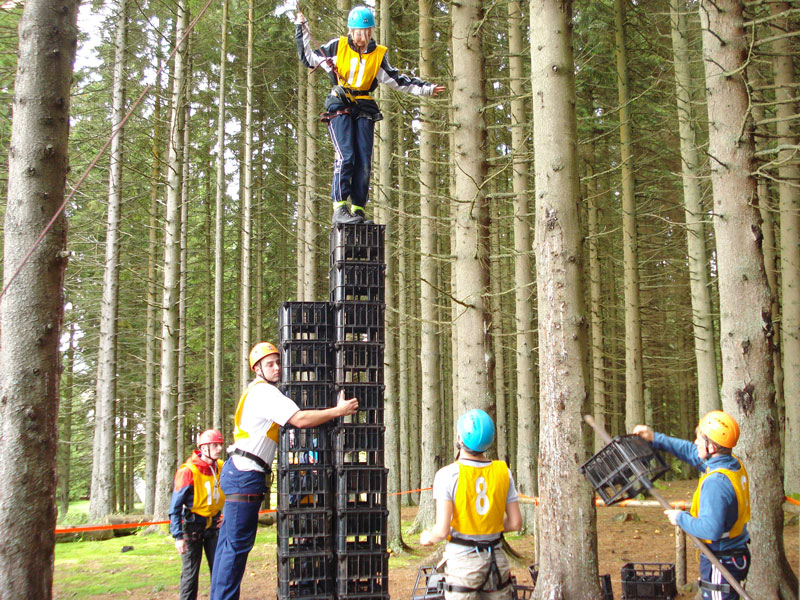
(355, 64)
(721, 504)
(261, 411)
(195, 510)
(476, 501)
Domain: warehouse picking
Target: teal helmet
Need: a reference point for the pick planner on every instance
(476, 430)
(360, 18)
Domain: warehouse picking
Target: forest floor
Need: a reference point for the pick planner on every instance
(624, 535)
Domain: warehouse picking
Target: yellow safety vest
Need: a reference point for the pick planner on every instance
(241, 434)
(208, 495)
(356, 72)
(741, 486)
(480, 503)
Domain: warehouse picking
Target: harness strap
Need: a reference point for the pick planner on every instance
(254, 457)
(493, 569)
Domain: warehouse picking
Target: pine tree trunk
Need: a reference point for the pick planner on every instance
(247, 209)
(702, 321)
(748, 391)
(169, 311)
(219, 227)
(32, 305)
(789, 193)
(65, 433)
(208, 308)
(302, 82)
(180, 437)
(567, 517)
(475, 366)
(430, 375)
(310, 221)
(634, 379)
(403, 333)
(100, 500)
(150, 317)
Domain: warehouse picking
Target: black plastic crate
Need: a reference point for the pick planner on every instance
(310, 395)
(361, 531)
(311, 445)
(429, 585)
(359, 322)
(311, 576)
(362, 573)
(624, 468)
(648, 581)
(358, 445)
(307, 361)
(368, 596)
(520, 592)
(370, 403)
(533, 571)
(363, 243)
(358, 282)
(305, 321)
(605, 587)
(360, 488)
(359, 363)
(305, 487)
(302, 532)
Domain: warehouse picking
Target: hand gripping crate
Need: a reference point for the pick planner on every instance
(305, 487)
(361, 531)
(616, 472)
(358, 282)
(359, 322)
(305, 532)
(429, 585)
(359, 363)
(310, 395)
(311, 445)
(305, 321)
(651, 581)
(364, 243)
(307, 361)
(308, 577)
(370, 403)
(358, 445)
(362, 574)
(360, 488)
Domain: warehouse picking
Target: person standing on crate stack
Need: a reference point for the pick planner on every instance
(721, 504)
(261, 411)
(194, 513)
(476, 501)
(356, 64)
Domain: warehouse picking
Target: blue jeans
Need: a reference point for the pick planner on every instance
(238, 532)
(352, 139)
(738, 567)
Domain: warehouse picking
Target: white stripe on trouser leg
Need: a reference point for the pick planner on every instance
(716, 577)
(340, 160)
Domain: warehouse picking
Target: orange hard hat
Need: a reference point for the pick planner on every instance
(209, 436)
(259, 351)
(720, 428)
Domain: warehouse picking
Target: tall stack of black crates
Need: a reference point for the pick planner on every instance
(332, 515)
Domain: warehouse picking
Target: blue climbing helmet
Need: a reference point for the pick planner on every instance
(476, 430)
(360, 18)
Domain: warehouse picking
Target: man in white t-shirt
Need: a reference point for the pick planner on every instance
(476, 501)
(261, 411)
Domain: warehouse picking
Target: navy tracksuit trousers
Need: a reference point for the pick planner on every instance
(352, 139)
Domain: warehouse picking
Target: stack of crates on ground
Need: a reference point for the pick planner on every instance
(306, 560)
(357, 294)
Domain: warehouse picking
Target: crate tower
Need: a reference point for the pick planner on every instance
(332, 513)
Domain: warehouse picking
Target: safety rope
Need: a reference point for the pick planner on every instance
(102, 150)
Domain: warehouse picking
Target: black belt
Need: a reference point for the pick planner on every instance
(254, 457)
(492, 570)
(244, 498)
(480, 545)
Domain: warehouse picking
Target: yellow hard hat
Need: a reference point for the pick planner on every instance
(720, 428)
(259, 351)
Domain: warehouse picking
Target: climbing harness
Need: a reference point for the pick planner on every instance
(493, 575)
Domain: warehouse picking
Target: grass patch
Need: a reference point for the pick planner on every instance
(99, 569)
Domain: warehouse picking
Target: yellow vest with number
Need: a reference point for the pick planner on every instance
(208, 496)
(480, 503)
(741, 486)
(356, 72)
(239, 433)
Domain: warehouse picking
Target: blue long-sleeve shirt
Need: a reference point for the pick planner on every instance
(719, 508)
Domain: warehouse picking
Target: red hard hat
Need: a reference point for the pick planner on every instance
(209, 436)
